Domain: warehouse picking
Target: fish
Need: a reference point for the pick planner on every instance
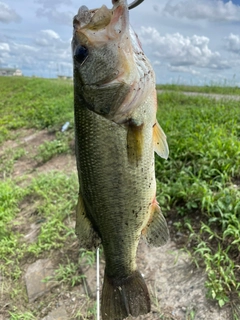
(116, 136)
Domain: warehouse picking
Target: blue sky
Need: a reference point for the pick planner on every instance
(187, 41)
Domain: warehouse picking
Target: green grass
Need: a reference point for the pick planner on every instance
(52, 198)
(46, 200)
(56, 194)
(10, 196)
(21, 316)
(214, 88)
(49, 201)
(200, 184)
(59, 145)
(33, 103)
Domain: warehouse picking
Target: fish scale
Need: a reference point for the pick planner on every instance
(107, 180)
(116, 135)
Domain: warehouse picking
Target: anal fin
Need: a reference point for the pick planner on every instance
(84, 230)
(160, 141)
(156, 231)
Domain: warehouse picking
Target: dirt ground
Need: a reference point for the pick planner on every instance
(176, 285)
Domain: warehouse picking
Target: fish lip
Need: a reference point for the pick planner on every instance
(88, 14)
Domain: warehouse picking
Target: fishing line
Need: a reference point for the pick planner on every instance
(98, 289)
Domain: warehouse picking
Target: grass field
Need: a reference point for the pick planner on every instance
(214, 89)
(198, 186)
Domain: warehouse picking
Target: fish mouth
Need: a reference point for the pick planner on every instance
(100, 18)
(94, 19)
(97, 19)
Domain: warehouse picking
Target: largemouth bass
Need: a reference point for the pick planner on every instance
(116, 134)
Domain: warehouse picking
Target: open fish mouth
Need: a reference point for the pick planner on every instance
(94, 19)
(99, 18)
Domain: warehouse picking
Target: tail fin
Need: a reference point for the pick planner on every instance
(124, 297)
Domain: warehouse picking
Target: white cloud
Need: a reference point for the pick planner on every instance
(7, 14)
(183, 69)
(233, 43)
(48, 38)
(156, 63)
(4, 51)
(212, 10)
(55, 11)
(41, 42)
(56, 16)
(14, 54)
(4, 47)
(53, 3)
(49, 54)
(52, 47)
(182, 51)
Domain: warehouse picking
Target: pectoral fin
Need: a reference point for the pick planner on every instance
(160, 141)
(84, 230)
(156, 230)
(135, 141)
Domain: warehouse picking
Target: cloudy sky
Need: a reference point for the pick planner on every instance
(187, 41)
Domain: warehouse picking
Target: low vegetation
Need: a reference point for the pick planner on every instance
(199, 186)
(198, 189)
(33, 103)
(224, 89)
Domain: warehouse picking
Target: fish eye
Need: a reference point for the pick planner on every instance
(81, 53)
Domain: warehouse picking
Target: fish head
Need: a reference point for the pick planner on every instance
(98, 37)
(111, 73)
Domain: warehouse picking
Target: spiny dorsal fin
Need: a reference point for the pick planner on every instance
(160, 141)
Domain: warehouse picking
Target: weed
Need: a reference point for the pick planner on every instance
(157, 307)
(33, 103)
(49, 149)
(87, 257)
(21, 316)
(58, 195)
(8, 159)
(86, 311)
(190, 314)
(214, 88)
(68, 273)
(10, 196)
(200, 180)
(204, 160)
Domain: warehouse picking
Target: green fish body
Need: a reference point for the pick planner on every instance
(116, 134)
